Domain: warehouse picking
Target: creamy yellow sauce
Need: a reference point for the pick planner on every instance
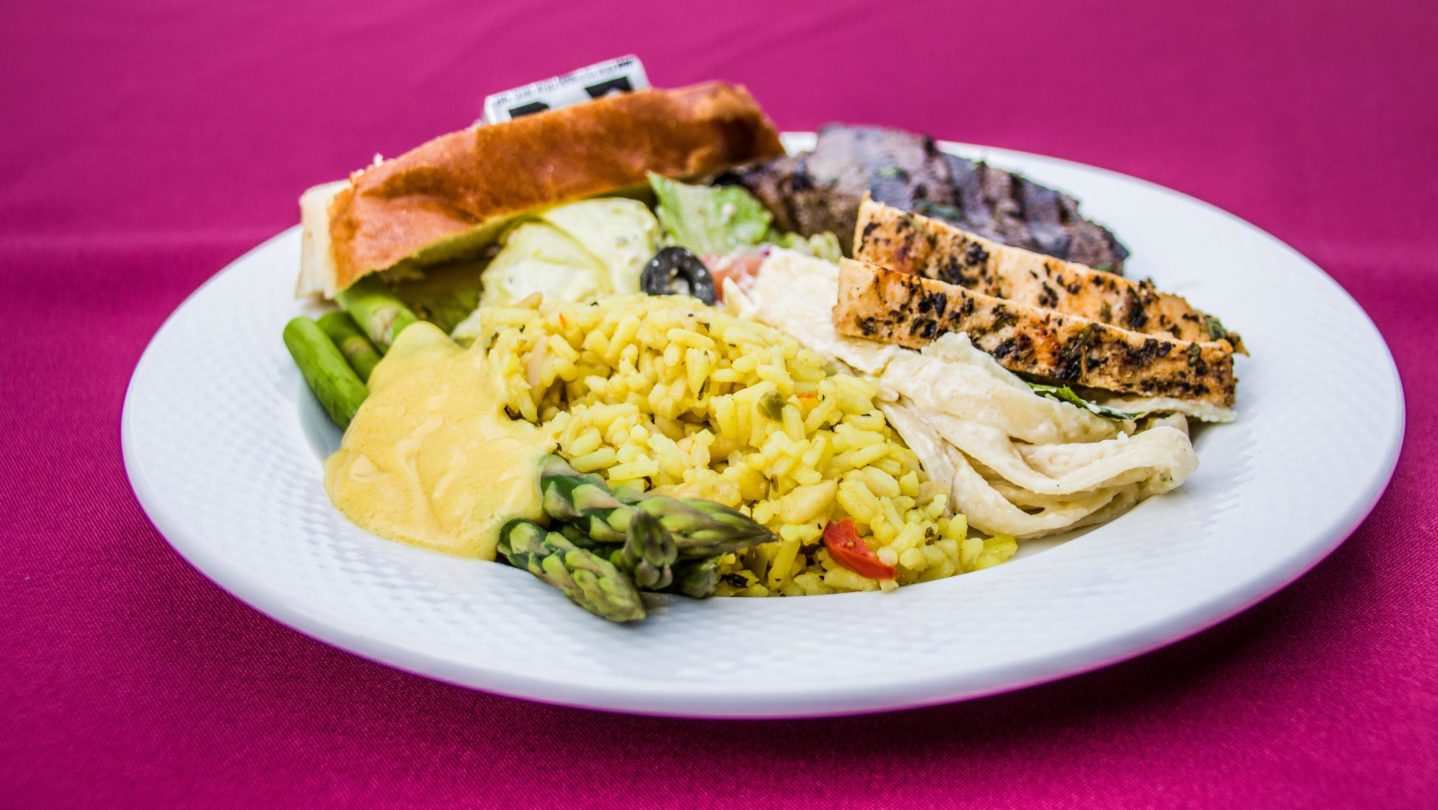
(431, 459)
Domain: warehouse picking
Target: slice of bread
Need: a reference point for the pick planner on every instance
(450, 197)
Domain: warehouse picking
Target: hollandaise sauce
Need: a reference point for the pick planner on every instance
(431, 458)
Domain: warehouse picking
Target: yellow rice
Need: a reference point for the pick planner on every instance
(669, 395)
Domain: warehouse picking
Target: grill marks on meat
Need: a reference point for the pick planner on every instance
(1014, 210)
(820, 191)
(910, 310)
(910, 243)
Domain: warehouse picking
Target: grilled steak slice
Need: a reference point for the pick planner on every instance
(910, 243)
(819, 191)
(773, 184)
(897, 168)
(910, 310)
(1014, 210)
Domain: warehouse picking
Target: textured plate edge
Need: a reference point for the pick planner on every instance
(894, 696)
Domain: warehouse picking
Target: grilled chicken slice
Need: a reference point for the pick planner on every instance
(910, 310)
(910, 243)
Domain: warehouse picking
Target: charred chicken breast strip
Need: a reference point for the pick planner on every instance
(911, 243)
(910, 310)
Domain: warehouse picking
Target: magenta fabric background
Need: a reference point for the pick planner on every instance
(145, 145)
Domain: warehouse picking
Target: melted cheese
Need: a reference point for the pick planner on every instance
(431, 459)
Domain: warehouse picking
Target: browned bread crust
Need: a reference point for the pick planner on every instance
(455, 184)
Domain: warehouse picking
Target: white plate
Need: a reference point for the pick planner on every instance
(224, 445)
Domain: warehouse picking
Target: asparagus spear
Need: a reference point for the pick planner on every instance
(659, 541)
(570, 495)
(708, 529)
(352, 343)
(588, 579)
(696, 578)
(335, 384)
(699, 528)
(647, 553)
(376, 310)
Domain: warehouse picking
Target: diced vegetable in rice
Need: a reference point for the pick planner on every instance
(666, 394)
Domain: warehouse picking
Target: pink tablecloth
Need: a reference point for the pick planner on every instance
(144, 147)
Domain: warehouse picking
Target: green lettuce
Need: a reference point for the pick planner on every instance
(709, 219)
(722, 219)
(1066, 394)
(821, 245)
(444, 295)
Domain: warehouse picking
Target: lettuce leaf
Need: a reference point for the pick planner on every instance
(1067, 394)
(722, 219)
(821, 245)
(709, 219)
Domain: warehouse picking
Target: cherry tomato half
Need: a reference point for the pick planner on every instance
(742, 267)
(842, 540)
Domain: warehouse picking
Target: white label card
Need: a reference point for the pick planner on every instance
(621, 75)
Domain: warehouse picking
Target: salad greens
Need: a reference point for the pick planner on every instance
(443, 295)
(591, 248)
(574, 252)
(620, 232)
(1066, 394)
(715, 220)
(540, 258)
(821, 245)
(709, 219)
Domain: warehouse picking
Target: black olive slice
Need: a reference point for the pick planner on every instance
(676, 271)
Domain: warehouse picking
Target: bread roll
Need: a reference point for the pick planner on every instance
(451, 196)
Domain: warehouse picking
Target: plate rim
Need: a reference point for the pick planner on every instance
(893, 695)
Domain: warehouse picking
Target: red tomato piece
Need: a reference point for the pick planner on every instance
(742, 267)
(842, 540)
